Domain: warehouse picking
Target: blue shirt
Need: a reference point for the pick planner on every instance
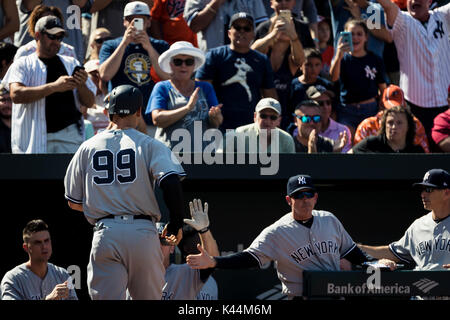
(165, 96)
(360, 77)
(237, 79)
(135, 65)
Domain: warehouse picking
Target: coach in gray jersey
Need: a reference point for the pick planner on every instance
(303, 239)
(426, 243)
(111, 179)
(37, 279)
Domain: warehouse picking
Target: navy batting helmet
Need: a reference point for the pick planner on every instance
(124, 100)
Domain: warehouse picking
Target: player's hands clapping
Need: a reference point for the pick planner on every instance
(61, 291)
(202, 260)
(199, 214)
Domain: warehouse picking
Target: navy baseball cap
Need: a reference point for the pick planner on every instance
(241, 15)
(435, 178)
(123, 100)
(298, 183)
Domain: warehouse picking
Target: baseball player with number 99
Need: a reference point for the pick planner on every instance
(303, 239)
(111, 179)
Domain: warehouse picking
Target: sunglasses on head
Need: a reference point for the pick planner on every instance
(188, 62)
(308, 119)
(265, 116)
(54, 36)
(302, 194)
(101, 40)
(242, 28)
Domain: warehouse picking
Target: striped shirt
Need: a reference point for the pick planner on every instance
(28, 121)
(424, 56)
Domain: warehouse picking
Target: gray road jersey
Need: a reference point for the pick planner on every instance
(295, 248)
(114, 172)
(182, 283)
(21, 283)
(209, 291)
(426, 243)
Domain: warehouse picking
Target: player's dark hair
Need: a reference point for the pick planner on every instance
(42, 11)
(312, 53)
(308, 103)
(32, 227)
(410, 134)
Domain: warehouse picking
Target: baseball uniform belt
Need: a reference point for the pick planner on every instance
(140, 216)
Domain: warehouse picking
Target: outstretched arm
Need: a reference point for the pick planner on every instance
(391, 11)
(379, 252)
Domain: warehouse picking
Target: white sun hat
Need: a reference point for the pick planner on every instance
(181, 47)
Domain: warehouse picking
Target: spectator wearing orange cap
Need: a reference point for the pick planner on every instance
(392, 96)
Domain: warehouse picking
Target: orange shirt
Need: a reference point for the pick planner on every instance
(169, 13)
(370, 127)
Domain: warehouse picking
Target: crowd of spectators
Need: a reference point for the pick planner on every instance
(331, 92)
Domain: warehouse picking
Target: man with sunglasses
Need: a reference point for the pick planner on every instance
(263, 132)
(303, 239)
(133, 58)
(47, 95)
(240, 76)
(308, 119)
(331, 129)
(426, 243)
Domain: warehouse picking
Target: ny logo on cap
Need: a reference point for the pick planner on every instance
(427, 175)
(301, 180)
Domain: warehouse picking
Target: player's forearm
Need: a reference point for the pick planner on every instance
(173, 198)
(239, 260)
(379, 252)
(209, 243)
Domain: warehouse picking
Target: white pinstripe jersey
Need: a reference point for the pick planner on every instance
(424, 56)
(114, 173)
(426, 243)
(295, 248)
(28, 122)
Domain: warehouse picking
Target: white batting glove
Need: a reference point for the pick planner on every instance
(200, 220)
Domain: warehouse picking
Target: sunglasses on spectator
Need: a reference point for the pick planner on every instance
(54, 36)
(302, 194)
(101, 40)
(308, 119)
(188, 62)
(242, 28)
(324, 102)
(265, 116)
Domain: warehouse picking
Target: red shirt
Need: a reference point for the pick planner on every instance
(169, 13)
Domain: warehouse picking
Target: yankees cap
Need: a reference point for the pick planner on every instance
(435, 178)
(241, 15)
(298, 183)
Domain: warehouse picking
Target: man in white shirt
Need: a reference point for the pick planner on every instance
(421, 38)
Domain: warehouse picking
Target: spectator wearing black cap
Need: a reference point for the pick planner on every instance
(47, 95)
(240, 76)
(208, 18)
(303, 239)
(425, 243)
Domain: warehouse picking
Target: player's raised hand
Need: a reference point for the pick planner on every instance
(202, 260)
(200, 219)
